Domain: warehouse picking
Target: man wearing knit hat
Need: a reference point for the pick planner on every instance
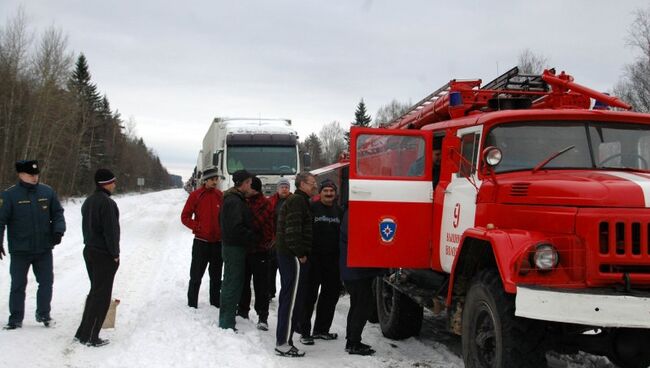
(323, 270)
(201, 215)
(101, 232)
(237, 235)
(34, 219)
(277, 200)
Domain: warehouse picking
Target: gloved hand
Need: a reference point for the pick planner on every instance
(2, 251)
(56, 238)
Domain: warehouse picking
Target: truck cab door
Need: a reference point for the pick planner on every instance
(390, 198)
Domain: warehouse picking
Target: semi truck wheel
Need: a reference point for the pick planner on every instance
(491, 334)
(399, 316)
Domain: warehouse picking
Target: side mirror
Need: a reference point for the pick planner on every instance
(306, 160)
(216, 159)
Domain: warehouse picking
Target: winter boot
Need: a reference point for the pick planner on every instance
(326, 336)
(46, 320)
(98, 342)
(306, 340)
(13, 325)
(262, 325)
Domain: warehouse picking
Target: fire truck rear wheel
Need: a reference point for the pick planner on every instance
(399, 316)
(491, 334)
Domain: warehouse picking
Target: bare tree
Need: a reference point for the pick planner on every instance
(634, 86)
(531, 63)
(332, 138)
(390, 112)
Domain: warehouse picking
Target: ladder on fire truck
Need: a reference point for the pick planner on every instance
(511, 90)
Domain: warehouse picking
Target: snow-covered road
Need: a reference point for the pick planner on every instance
(154, 326)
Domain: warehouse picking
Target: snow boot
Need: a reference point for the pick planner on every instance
(46, 320)
(13, 325)
(289, 351)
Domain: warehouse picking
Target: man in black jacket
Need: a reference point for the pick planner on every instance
(236, 236)
(323, 270)
(101, 232)
(34, 219)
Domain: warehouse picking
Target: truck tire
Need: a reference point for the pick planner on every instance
(399, 316)
(491, 334)
(373, 318)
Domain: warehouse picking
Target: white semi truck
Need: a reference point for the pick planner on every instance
(267, 148)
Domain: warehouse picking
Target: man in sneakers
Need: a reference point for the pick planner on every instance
(100, 221)
(257, 257)
(277, 200)
(323, 271)
(34, 219)
(237, 236)
(293, 242)
(201, 215)
(358, 282)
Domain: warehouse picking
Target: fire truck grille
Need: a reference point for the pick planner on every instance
(623, 249)
(519, 189)
(621, 238)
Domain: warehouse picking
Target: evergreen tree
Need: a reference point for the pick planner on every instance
(314, 147)
(81, 86)
(361, 119)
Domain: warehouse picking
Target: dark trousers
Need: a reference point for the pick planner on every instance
(324, 274)
(273, 272)
(361, 300)
(43, 270)
(204, 253)
(234, 264)
(101, 269)
(291, 299)
(257, 269)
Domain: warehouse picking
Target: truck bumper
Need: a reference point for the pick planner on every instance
(599, 309)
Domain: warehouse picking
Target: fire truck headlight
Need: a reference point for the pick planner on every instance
(492, 156)
(546, 257)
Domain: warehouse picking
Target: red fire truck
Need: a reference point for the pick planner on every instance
(516, 207)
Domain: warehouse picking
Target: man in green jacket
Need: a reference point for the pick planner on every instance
(293, 244)
(236, 236)
(34, 219)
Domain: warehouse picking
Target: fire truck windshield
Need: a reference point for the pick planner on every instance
(605, 145)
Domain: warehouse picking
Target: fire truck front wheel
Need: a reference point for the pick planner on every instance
(491, 334)
(399, 316)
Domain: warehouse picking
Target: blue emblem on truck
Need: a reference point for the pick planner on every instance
(387, 229)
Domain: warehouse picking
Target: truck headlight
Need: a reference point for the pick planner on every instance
(546, 257)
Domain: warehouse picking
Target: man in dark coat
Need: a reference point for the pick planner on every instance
(201, 215)
(257, 257)
(323, 270)
(277, 200)
(34, 219)
(100, 223)
(237, 236)
(293, 243)
(358, 283)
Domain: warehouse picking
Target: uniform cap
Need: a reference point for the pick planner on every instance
(27, 166)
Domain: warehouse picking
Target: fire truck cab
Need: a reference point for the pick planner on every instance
(532, 229)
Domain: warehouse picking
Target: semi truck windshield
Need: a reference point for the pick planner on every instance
(269, 160)
(603, 145)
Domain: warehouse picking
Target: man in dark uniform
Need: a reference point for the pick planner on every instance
(101, 231)
(237, 236)
(34, 219)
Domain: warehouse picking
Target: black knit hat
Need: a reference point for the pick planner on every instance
(327, 183)
(27, 166)
(104, 177)
(239, 176)
(257, 184)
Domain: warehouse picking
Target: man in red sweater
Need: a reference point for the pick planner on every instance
(201, 215)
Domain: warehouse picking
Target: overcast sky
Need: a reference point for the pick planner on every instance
(173, 66)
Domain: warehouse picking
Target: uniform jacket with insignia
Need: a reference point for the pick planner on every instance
(32, 213)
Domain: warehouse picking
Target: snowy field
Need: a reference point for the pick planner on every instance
(154, 326)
